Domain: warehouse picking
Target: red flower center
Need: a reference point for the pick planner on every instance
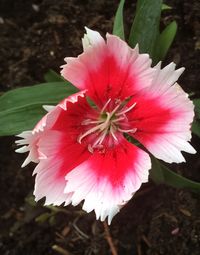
(109, 122)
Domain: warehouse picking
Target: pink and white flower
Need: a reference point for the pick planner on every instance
(83, 150)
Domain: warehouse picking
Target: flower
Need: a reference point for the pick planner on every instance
(82, 146)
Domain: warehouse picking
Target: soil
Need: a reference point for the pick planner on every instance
(35, 36)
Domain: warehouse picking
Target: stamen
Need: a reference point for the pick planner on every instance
(126, 110)
(115, 109)
(112, 133)
(133, 130)
(90, 131)
(99, 127)
(103, 135)
(90, 149)
(106, 104)
(101, 138)
(108, 123)
(119, 119)
(88, 122)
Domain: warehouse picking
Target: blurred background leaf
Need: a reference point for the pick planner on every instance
(161, 174)
(166, 7)
(197, 107)
(196, 127)
(164, 41)
(118, 27)
(196, 122)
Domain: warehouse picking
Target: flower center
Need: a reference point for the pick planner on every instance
(109, 123)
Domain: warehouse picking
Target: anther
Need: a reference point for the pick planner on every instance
(90, 149)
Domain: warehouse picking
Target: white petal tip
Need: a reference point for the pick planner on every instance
(26, 162)
(192, 151)
(48, 108)
(22, 149)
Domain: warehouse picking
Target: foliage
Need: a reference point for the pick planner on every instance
(22, 108)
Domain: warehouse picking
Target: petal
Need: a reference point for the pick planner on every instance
(29, 143)
(58, 149)
(48, 121)
(48, 185)
(59, 154)
(80, 70)
(91, 38)
(109, 69)
(48, 108)
(129, 70)
(165, 78)
(106, 181)
(54, 119)
(163, 117)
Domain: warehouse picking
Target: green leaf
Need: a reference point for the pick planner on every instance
(16, 120)
(196, 122)
(166, 7)
(145, 27)
(197, 106)
(52, 76)
(50, 93)
(196, 127)
(43, 217)
(21, 109)
(165, 40)
(161, 174)
(118, 27)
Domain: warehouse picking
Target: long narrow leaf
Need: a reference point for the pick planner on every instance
(197, 106)
(165, 40)
(49, 92)
(145, 27)
(52, 76)
(161, 174)
(166, 7)
(196, 127)
(14, 121)
(20, 109)
(118, 28)
(196, 122)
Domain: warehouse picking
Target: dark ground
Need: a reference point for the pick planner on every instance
(34, 37)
